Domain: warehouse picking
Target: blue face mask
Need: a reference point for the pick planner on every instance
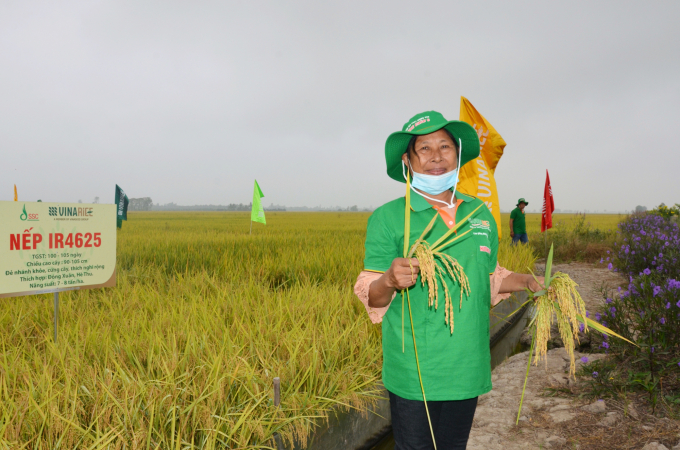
(434, 184)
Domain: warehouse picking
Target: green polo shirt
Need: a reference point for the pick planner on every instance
(453, 366)
(519, 225)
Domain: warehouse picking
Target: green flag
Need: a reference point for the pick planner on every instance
(257, 214)
(122, 206)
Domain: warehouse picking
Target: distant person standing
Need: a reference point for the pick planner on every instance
(518, 226)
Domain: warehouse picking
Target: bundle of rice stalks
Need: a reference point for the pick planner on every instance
(559, 301)
(563, 303)
(428, 257)
(430, 271)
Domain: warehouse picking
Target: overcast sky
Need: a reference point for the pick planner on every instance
(188, 102)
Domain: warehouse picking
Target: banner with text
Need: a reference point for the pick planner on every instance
(477, 178)
(51, 247)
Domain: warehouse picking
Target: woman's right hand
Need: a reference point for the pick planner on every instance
(401, 274)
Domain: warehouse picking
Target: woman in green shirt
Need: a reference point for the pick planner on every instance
(454, 365)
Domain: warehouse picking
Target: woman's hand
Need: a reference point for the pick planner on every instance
(532, 285)
(517, 282)
(402, 273)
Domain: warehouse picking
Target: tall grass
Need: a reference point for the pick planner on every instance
(576, 237)
(182, 352)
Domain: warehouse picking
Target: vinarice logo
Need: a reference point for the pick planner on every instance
(28, 217)
(70, 211)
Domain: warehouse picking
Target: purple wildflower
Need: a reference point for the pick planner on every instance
(662, 320)
(595, 374)
(584, 360)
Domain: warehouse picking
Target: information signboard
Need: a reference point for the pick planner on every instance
(53, 247)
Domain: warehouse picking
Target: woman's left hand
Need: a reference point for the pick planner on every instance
(532, 285)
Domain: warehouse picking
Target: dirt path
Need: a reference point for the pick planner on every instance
(551, 421)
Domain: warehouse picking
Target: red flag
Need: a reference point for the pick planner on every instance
(548, 205)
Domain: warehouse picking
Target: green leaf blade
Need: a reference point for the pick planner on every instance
(548, 267)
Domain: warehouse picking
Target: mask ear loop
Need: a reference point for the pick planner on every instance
(455, 185)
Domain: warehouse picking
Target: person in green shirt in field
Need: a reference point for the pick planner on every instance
(518, 226)
(452, 367)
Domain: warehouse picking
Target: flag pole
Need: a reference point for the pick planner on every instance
(251, 225)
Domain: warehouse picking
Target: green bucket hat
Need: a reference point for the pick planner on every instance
(521, 200)
(426, 123)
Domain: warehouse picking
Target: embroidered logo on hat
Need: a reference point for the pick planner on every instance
(417, 122)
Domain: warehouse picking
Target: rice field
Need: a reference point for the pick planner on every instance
(183, 351)
(602, 222)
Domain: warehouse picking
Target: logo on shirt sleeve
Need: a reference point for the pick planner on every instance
(484, 248)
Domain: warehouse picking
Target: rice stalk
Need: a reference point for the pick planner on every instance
(559, 301)
(562, 304)
(407, 237)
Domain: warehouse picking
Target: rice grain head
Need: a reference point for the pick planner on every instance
(564, 304)
(430, 271)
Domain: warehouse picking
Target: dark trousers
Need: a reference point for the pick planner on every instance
(451, 422)
(521, 237)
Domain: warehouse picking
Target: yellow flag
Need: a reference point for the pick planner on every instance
(16, 198)
(477, 178)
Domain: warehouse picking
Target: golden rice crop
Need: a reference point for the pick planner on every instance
(182, 353)
(516, 258)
